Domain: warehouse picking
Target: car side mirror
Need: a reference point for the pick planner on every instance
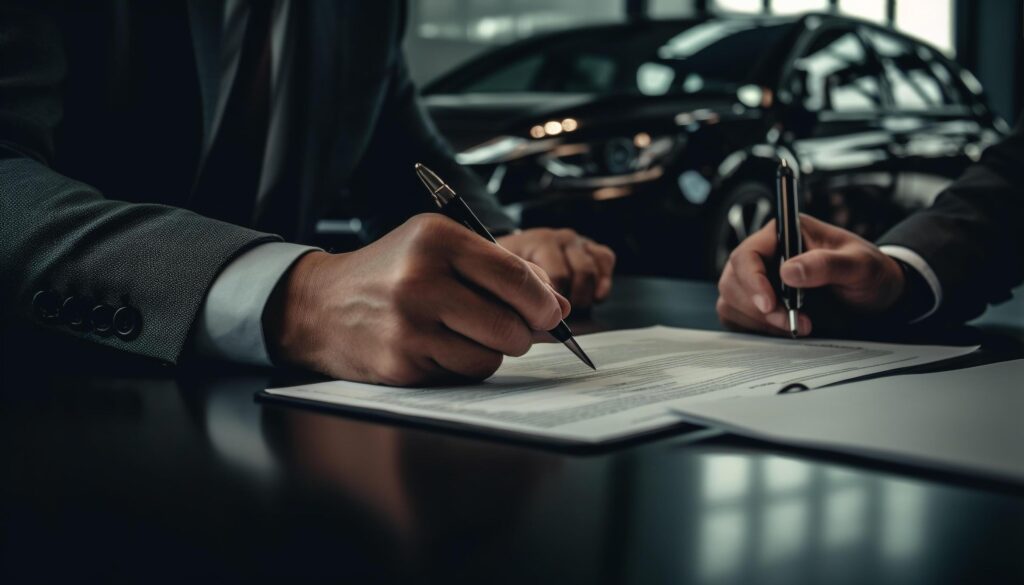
(798, 84)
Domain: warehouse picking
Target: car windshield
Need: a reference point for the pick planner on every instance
(650, 60)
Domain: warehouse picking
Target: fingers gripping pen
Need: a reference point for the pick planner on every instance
(790, 242)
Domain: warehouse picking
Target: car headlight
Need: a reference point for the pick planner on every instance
(619, 160)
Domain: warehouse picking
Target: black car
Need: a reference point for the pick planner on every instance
(661, 138)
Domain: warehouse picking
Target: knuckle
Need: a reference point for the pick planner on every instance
(517, 272)
(397, 336)
(407, 283)
(428, 226)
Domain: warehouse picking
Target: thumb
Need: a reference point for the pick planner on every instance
(821, 267)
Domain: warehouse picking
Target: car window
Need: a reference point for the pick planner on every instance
(834, 73)
(917, 78)
(516, 77)
(587, 74)
(649, 60)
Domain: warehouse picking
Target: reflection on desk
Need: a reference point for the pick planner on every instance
(140, 472)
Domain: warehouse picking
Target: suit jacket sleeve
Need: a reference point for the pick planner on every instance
(60, 235)
(384, 184)
(972, 237)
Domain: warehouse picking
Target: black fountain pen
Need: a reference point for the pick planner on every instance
(789, 241)
(456, 208)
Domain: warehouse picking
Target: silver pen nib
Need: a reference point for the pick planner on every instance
(792, 323)
(442, 192)
(576, 349)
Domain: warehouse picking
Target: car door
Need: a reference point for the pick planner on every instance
(834, 128)
(935, 133)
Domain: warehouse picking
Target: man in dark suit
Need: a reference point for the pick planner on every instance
(155, 156)
(942, 265)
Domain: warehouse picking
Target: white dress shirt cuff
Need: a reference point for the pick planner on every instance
(915, 261)
(230, 324)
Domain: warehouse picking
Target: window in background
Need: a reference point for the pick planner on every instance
(671, 8)
(495, 21)
(738, 5)
(445, 33)
(872, 10)
(797, 6)
(930, 20)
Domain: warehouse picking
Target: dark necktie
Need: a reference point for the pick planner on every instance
(228, 182)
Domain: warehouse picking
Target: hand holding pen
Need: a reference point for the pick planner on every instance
(799, 252)
(448, 201)
(428, 303)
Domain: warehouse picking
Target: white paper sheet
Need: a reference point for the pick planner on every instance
(969, 420)
(642, 376)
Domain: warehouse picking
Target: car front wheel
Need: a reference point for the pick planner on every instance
(744, 210)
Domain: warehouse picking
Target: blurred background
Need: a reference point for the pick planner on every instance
(655, 126)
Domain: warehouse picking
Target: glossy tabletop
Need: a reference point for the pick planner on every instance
(123, 470)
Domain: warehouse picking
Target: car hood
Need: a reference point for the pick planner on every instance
(475, 118)
(494, 106)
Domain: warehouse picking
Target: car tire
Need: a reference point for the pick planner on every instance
(746, 208)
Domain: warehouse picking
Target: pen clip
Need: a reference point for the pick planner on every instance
(793, 388)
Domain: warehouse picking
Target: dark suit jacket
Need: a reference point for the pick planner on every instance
(973, 235)
(103, 110)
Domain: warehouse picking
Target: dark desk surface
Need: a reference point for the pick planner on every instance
(131, 471)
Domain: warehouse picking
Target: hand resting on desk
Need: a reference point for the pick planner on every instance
(858, 274)
(580, 268)
(429, 302)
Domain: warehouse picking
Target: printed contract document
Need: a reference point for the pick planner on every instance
(644, 377)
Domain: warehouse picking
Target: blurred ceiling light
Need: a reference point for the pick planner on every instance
(537, 131)
(553, 127)
(569, 124)
(642, 140)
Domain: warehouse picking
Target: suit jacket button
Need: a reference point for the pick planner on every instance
(75, 312)
(127, 323)
(101, 317)
(46, 305)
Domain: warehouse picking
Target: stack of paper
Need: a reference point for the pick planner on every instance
(969, 420)
(644, 378)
